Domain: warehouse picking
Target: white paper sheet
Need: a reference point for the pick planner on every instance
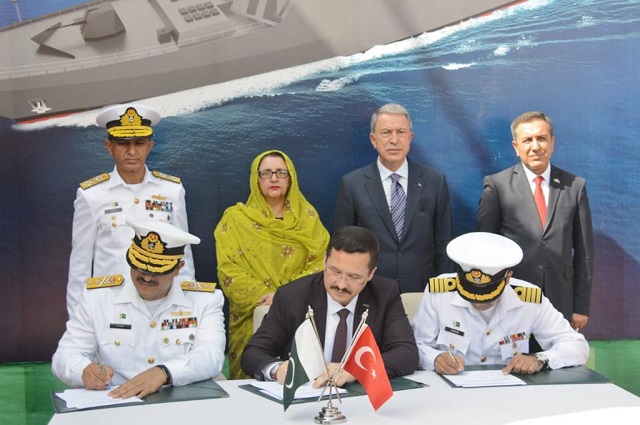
(84, 399)
(274, 389)
(483, 378)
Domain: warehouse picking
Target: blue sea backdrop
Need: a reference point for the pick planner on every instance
(578, 61)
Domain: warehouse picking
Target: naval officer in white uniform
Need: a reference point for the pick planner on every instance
(103, 204)
(143, 330)
(480, 315)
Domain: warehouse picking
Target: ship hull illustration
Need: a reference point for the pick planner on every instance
(111, 51)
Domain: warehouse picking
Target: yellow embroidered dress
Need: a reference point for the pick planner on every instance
(258, 253)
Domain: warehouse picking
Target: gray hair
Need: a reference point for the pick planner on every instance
(390, 108)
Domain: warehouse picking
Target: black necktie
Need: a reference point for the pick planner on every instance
(340, 341)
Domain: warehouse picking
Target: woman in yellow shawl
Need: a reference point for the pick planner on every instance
(274, 238)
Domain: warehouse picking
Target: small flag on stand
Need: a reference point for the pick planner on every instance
(366, 365)
(306, 361)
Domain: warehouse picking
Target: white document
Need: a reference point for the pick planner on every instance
(483, 378)
(274, 389)
(84, 399)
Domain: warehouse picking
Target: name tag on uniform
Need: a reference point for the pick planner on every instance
(453, 330)
(119, 326)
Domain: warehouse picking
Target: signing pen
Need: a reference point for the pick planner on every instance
(453, 358)
(101, 364)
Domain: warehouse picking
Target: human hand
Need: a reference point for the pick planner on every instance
(524, 364)
(93, 377)
(266, 299)
(281, 372)
(141, 385)
(339, 379)
(578, 321)
(445, 365)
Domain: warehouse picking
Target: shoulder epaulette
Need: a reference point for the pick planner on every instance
(104, 281)
(94, 181)
(442, 284)
(164, 176)
(529, 294)
(192, 285)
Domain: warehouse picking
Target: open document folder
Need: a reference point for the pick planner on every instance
(491, 376)
(90, 399)
(273, 390)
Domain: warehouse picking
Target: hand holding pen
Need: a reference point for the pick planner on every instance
(97, 376)
(448, 364)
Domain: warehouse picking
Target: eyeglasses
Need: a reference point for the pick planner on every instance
(351, 280)
(266, 174)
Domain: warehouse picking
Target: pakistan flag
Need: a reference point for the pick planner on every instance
(306, 361)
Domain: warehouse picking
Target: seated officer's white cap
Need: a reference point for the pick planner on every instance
(128, 120)
(157, 246)
(483, 260)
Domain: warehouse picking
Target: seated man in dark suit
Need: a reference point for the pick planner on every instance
(348, 282)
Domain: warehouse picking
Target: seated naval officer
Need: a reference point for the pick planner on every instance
(480, 315)
(100, 235)
(144, 331)
(338, 296)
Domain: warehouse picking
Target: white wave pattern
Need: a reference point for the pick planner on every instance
(501, 50)
(456, 66)
(586, 21)
(193, 100)
(337, 84)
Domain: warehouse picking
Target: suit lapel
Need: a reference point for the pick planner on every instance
(554, 194)
(415, 186)
(523, 188)
(318, 303)
(373, 186)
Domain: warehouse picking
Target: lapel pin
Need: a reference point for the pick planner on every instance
(419, 184)
(556, 181)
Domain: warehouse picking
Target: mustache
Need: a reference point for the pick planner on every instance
(342, 290)
(141, 279)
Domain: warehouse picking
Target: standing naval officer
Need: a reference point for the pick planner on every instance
(142, 331)
(103, 204)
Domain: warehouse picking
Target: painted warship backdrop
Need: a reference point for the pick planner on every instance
(576, 60)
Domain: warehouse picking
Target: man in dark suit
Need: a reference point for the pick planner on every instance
(555, 233)
(347, 283)
(413, 227)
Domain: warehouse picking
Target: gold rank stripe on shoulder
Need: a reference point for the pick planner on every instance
(104, 281)
(529, 294)
(442, 284)
(164, 176)
(94, 181)
(192, 285)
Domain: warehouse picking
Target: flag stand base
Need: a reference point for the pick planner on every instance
(330, 415)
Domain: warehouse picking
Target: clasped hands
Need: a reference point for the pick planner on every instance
(141, 385)
(339, 379)
(520, 363)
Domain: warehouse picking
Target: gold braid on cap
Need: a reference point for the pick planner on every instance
(130, 124)
(156, 264)
(480, 298)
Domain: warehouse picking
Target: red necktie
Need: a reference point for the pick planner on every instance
(538, 196)
(340, 342)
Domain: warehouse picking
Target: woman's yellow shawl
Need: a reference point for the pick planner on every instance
(258, 253)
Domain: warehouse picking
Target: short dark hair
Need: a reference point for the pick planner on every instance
(353, 239)
(528, 117)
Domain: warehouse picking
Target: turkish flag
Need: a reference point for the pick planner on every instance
(366, 365)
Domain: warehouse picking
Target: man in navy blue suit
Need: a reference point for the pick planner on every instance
(406, 205)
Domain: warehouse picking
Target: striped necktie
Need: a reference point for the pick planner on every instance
(398, 204)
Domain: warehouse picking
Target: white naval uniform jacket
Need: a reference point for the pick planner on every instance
(447, 321)
(117, 322)
(101, 235)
